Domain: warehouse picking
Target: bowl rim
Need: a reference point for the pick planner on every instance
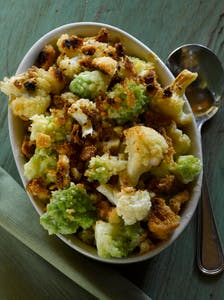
(29, 57)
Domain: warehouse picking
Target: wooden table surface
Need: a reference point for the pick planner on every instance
(163, 26)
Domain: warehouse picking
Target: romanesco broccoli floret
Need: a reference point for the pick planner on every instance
(40, 164)
(56, 126)
(187, 168)
(89, 84)
(131, 205)
(116, 240)
(146, 148)
(126, 101)
(68, 210)
(101, 168)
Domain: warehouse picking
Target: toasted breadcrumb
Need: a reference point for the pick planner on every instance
(176, 201)
(37, 188)
(103, 209)
(162, 220)
(62, 175)
(28, 147)
(43, 140)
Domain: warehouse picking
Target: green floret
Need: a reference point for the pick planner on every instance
(40, 164)
(116, 240)
(101, 168)
(89, 84)
(56, 126)
(127, 100)
(68, 210)
(187, 168)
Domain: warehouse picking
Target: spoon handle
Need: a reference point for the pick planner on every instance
(210, 257)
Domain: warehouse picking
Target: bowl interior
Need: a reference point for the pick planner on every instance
(133, 47)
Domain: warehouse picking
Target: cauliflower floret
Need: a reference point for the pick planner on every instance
(26, 106)
(89, 84)
(169, 101)
(56, 126)
(68, 98)
(51, 81)
(146, 148)
(101, 168)
(29, 91)
(140, 66)
(116, 240)
(70, 66)
(181, 141)
(97, 48)
(68, 210)
(77, 111)
(106, 64)
(16, 85)
(69, 45)
(126, 101)
(40, 164)
(187, 168)
(46, 57)
(131, 204)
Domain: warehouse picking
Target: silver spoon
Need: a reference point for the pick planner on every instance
(204, 96)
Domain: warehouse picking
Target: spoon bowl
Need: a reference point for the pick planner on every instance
(204, 96)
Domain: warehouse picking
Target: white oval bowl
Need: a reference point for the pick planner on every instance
(133, 47)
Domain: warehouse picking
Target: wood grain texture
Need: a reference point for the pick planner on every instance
(163, 26)
(24, 275)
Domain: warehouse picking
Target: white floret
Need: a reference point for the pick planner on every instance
(40, 124)
(146, 148)
(132, 205)
(30, 91)
(102, 49)
(141, 67)
(106, 64)
(76, 111)
(70, 66)
(181, 141)
(26, 106)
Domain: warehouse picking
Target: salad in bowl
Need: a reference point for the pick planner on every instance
(105, 142)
